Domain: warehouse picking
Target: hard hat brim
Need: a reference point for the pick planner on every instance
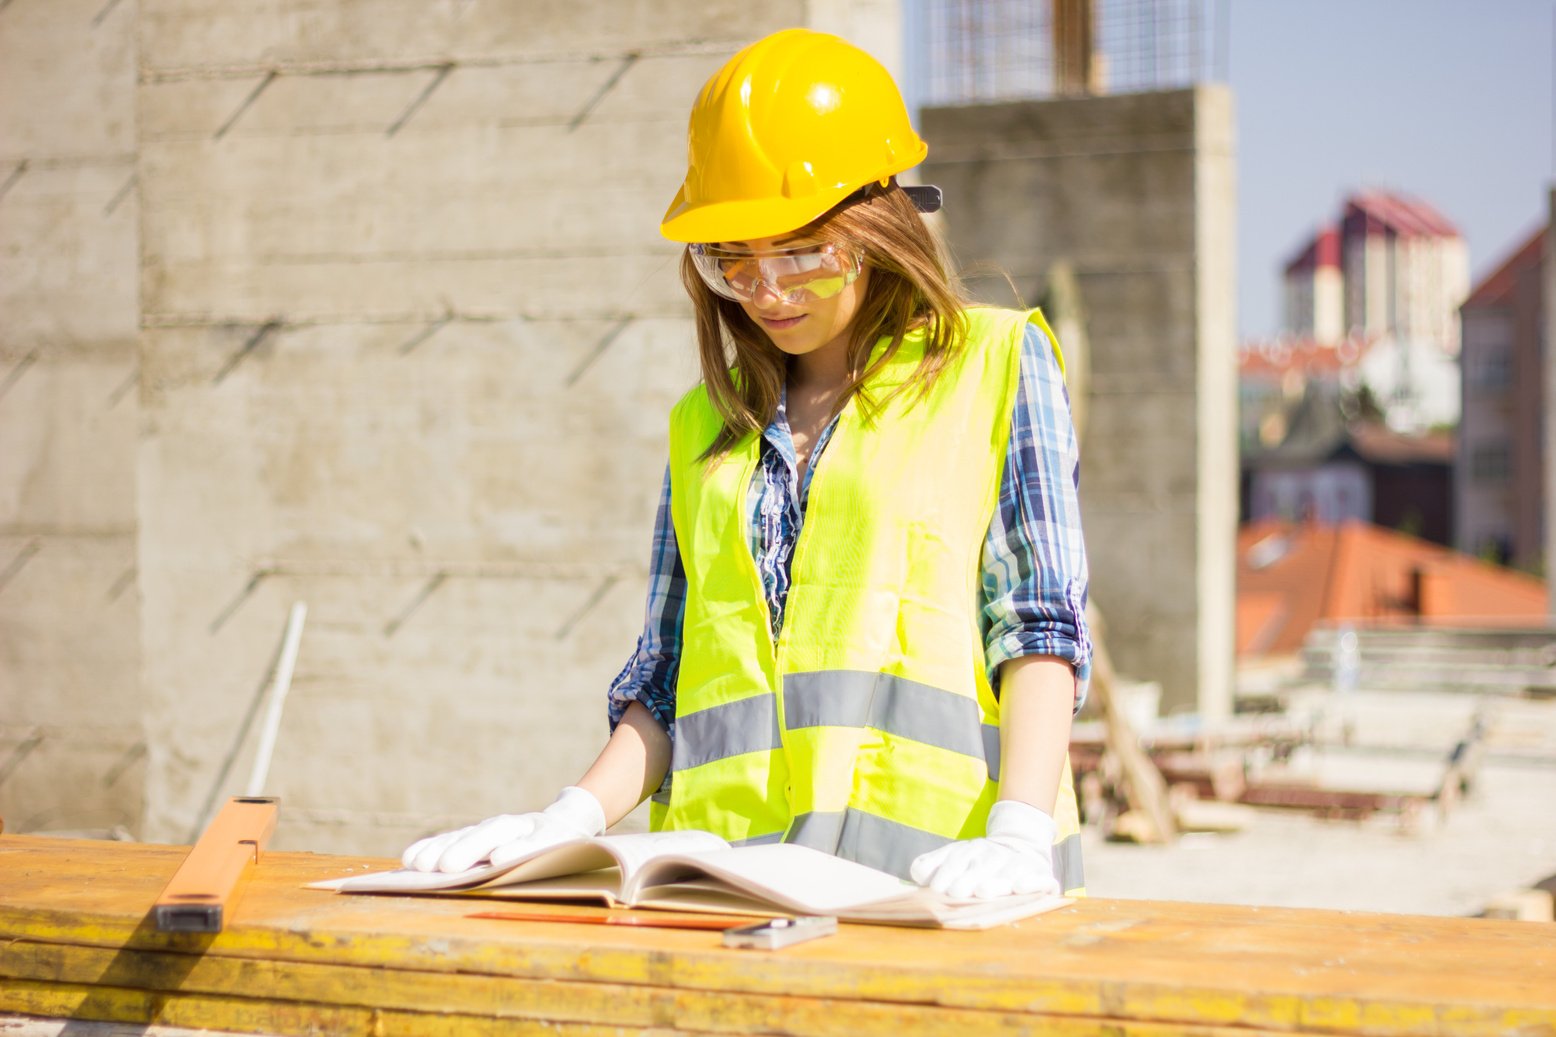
(744, 220)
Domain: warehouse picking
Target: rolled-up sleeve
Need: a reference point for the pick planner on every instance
(649, 676)
(1034, 559)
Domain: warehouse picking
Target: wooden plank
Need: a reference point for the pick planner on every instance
(1136, 966)
(426, 1002)
(1144, 788)
(374, 931)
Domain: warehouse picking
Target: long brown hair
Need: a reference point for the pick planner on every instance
(910, 286)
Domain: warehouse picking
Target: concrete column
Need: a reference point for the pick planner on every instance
(1137, 193)
(72, 757)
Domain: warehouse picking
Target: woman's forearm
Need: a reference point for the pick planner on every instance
(1037, 700)
(631, 766)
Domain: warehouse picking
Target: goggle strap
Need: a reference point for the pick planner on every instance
(926, 198)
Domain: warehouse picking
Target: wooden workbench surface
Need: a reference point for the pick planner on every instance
(76, 941)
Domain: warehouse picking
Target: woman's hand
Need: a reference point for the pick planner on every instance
(576, 814)
(1016, 856)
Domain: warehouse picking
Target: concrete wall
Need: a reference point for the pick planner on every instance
(358, 305)
(71, 751)
(1137, 193)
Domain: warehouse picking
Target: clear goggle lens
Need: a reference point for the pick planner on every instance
(794, 275)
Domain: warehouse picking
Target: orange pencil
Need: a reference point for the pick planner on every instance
(645, 919)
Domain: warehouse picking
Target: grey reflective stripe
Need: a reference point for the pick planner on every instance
(817, 830)
(757, 840)
(745, 726)
(892, 846)
(881, 843)
(991, 749)
(896, 705)
(1068, 868)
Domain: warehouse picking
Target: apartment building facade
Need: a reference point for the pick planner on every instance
(1499, 502)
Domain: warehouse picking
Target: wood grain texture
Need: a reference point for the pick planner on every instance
(76, 940)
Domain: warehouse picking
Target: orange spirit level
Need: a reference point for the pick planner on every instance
(200, 889)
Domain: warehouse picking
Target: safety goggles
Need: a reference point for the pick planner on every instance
(794, 275)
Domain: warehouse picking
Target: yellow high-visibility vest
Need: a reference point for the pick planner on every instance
(869, 730)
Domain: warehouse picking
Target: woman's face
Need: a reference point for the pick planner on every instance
(807, 327)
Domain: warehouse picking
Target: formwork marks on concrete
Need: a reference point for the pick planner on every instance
(14, 758)
(121, 194)
(70, 780)
(426, 591)
(243, 595)
(598, 351)
(25, 555)
(14, 375)
(425, 333)
(419, 100)
(125, 581)
(630, 59)
(103, 14)
(123, 388)
(13, 176)
(590, 602)
(252, 343)
(440, 74)
(260, 87)
(131, 756)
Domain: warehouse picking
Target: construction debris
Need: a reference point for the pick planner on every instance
(1526, 905)
(1259, 761)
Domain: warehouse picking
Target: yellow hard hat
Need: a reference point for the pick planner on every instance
(789, 127)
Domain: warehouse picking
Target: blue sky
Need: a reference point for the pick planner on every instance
(1447, 100)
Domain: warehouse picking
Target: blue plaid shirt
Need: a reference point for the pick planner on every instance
(1034, 559)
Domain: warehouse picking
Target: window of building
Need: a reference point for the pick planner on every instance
(1493, 368)
(1491, 462)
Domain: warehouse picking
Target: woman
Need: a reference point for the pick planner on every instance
(865, 625)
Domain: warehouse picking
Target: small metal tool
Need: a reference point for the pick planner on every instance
(780, 932)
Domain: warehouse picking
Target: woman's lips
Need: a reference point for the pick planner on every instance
(780, 323)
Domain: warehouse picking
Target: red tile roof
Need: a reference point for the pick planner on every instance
(1292, 575)
(1277, 356)
(1407, 217)
(1323, 249)
(1496, 287)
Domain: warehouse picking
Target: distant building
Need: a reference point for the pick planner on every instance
(1392, 273)
(1273, 379)
(1405, 269)
(1330, 469)
(1315, 290)
(1499, 505)
(1292, 576)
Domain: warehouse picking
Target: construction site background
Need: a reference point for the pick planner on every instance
(365, 306)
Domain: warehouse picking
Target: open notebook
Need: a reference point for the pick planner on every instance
(698, 871)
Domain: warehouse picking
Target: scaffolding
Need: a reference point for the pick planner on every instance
(976, 51)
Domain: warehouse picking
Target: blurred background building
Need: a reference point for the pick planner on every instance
(1389, 276)
(1499, 475)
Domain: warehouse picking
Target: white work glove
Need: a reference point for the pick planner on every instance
(576, 814)
(1016, 856)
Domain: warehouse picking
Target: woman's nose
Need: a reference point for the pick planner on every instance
(764, 296)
